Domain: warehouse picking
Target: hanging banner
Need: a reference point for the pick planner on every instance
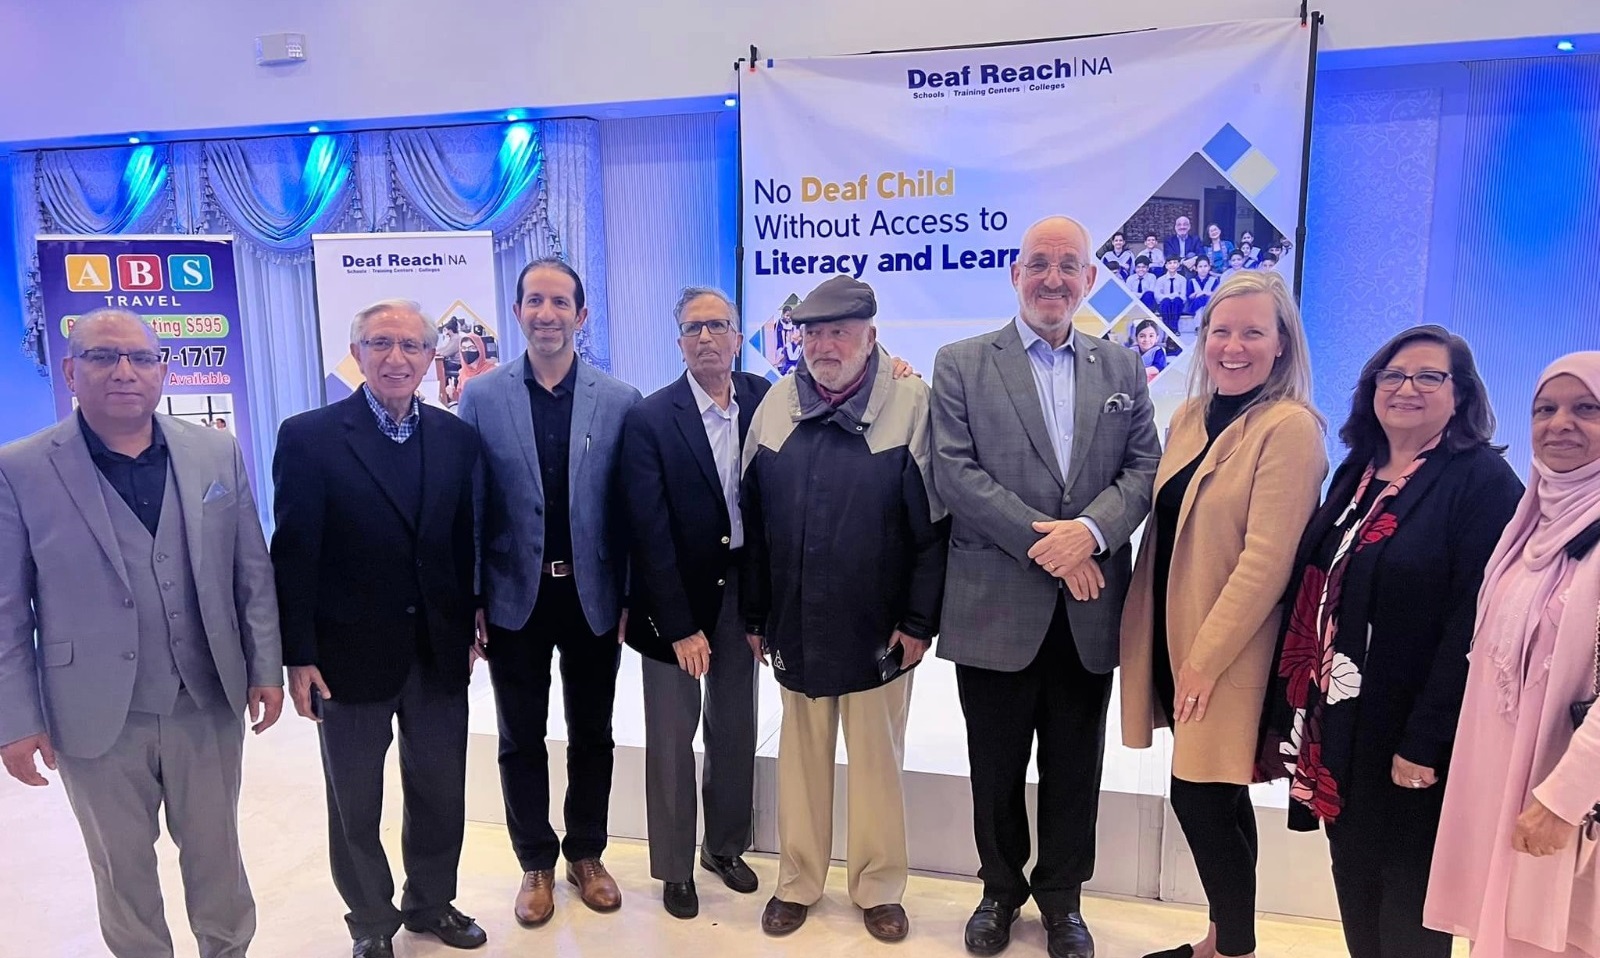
(450, 275)
(184, 288)
(919, 172)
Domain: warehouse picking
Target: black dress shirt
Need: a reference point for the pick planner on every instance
(552, 434)
(140, 480)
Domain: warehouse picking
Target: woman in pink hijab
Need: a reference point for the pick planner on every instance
(1514, 869)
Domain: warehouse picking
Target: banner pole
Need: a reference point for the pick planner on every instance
(738, 242)
(1313, 22)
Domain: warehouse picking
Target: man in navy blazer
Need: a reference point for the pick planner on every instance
(1182, 243)
(680, 468)
(554, 569)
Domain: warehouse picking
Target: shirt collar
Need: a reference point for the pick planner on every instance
(386, 421)
(704, 401)
(1029, 337)
(98, 448)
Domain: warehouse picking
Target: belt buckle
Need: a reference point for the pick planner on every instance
(560, 570)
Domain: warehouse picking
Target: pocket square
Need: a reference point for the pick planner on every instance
(214, 492)
(1118, 402)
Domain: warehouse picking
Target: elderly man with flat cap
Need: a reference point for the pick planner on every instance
(841, 587)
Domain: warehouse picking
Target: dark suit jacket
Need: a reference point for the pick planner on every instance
(678, 517)
(355, 575)
(1170, 246)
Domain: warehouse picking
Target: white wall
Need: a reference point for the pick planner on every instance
(82, 67)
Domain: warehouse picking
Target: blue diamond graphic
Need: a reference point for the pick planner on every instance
(1226, 147)
(1110, 300)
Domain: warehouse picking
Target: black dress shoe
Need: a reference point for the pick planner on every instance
(1067, 936)
(680, 899)
(373, 946)
(1182, 951)
(732, 870)
(452, 928)
(989, 928)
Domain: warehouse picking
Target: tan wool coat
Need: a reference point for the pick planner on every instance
(1238, 528)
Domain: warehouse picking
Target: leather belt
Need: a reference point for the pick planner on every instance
(557, 570)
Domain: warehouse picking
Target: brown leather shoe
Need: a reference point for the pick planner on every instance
(536, 899)
(595, 885)
(886, 922)
(782, 917)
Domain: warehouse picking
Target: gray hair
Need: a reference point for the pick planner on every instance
(80, 328)
(358, 326)
(691, 293)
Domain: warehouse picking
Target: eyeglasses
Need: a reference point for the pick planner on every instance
(1069, 270)
(715, 326)
(382, 344)
(104, 357)
(1427, 381)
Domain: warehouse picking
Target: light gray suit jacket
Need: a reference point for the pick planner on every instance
(510, 506)
(996, 472)
(62, 576)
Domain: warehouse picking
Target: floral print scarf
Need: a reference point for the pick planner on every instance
(1319, 668)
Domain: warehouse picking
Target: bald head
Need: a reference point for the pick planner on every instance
(1053, 227)
(1053, 271)
(98, 324)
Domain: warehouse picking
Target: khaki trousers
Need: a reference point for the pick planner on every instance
(874, 739)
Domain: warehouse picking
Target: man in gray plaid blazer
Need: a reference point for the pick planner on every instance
(1045, 454)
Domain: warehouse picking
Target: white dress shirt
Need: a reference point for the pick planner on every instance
(1057, 383)
(722, 431)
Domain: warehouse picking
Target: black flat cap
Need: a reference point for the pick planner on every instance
(838, 298)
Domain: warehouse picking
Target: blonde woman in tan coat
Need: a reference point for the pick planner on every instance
(1238, 481)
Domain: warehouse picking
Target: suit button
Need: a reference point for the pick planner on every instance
(722, 582)
(128, 655)
(419, 563)
(127, 603)
(172, 615)
(161, 557)
(725, 541)
(411, 610)
(538, 510)
(166, 585)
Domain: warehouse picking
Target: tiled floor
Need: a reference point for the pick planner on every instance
(48, 898)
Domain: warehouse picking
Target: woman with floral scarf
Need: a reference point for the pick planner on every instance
(1362, 711)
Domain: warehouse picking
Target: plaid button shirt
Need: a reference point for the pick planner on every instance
(398, 431)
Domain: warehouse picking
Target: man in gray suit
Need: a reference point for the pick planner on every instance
(1046, 452)
(134, 549)
(555, 562)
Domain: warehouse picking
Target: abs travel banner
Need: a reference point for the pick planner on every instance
(184, 288)
(918, 173)
(451, 275)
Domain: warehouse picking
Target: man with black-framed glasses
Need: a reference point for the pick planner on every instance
(137, 624)
(680, 469)
(375, 561)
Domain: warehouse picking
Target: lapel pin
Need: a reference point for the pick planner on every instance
(1091, 357)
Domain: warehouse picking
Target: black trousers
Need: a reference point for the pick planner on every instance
(1220, 826)
(519, 666)
(1381, 863)
(355, 740)
(1063, 705)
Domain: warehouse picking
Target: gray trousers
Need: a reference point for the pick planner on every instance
(433, 780)
(189, 761)
(672, 712)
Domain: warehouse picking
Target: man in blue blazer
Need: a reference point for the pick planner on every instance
(554, 569)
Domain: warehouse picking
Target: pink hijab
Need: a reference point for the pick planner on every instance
(1555, 507)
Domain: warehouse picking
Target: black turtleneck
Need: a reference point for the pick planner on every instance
(1220, 414)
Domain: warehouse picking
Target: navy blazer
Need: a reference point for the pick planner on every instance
(511, 494)
(355, 572)
(678, 516)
